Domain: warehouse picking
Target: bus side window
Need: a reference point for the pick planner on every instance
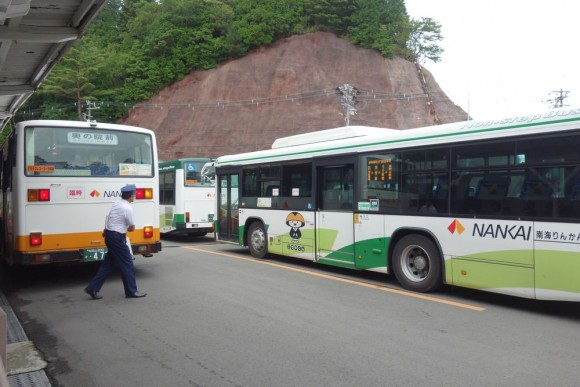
(490, 194)
(572, 206)
(535, 188)
(536, 196)
(272, 190)
(575, 191)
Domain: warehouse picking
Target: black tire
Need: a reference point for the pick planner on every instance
(417, 264)
(257, 240)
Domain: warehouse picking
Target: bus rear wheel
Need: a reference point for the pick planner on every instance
(257, 240)
(417, 263)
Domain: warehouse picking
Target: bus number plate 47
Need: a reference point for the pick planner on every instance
(94, 255)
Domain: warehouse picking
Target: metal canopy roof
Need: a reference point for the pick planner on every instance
(34, 36)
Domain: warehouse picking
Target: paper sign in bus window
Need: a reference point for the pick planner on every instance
(92, 138)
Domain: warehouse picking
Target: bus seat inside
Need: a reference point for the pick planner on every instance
(535, 188)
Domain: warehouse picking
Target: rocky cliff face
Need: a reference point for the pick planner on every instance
(289, 88)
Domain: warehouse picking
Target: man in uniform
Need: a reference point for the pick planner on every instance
(119, 222)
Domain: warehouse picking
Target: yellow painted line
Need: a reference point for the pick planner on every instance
(348, 281)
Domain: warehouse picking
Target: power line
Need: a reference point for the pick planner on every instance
(363, 97)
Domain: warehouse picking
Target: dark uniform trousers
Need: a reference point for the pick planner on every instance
(118, 254)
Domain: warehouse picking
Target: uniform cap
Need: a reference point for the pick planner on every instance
(129, 188)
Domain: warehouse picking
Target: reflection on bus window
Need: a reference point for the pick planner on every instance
(199, 173)
(87, 152)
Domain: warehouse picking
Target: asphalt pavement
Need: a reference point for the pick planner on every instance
(25, 365)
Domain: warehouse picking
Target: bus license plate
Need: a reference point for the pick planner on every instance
(94, 255)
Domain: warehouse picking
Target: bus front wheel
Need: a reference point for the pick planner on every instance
(257, 240)
(417, 263)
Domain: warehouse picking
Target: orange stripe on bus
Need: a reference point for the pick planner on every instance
(79, 240)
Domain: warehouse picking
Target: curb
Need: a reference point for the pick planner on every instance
(23, 368)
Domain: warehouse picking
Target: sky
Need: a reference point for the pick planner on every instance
(505, 57)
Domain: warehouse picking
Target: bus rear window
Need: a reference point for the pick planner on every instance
(63, 152)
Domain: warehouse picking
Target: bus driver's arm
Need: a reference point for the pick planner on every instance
(131, 228)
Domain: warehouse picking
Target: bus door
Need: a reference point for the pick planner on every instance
(334, 215)
(228, 215)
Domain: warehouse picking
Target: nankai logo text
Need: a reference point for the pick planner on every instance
(502, 231)
(107, 194)
(111, 194)
(495, 231)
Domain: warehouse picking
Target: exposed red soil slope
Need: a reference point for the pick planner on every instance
(288, 88)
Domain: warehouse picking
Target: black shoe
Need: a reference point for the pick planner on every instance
(135, 295)
(94, 295)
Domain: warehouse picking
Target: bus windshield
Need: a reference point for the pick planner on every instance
(57, 151)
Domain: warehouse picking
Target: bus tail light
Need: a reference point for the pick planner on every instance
(39, 195)
(148, 231)
(35, 238)
(187, 217)
(144, 193)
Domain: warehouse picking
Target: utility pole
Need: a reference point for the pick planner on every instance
(90, 107)
(558, 100)
(347, 94)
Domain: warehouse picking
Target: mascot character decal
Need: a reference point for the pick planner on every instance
(295, 220)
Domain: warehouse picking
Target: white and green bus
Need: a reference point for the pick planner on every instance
(187, 196)
(490, 205)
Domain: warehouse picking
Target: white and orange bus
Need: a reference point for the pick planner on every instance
(59, 180)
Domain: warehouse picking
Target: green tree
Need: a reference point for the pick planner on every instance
(89, 70)
(128, 10)
(424, 35)
(106, 28)
(328, 15)
(260, 22)
(178, 36)
(134, 48)
(73, 80)
(382, 25)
